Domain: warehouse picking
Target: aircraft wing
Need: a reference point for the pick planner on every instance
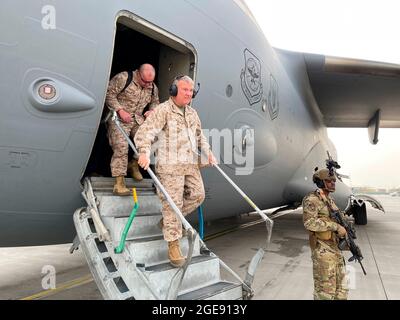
(355, 93)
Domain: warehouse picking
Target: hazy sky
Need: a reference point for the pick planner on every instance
(356, 29)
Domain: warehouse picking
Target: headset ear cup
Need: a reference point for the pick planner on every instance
(194, 93)
(320, 183)
(173, 90)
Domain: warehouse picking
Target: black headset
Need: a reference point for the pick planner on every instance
(320, 183)
(173, 89)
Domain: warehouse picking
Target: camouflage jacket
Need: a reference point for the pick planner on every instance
(179, 139)
(316, 214)
(134, 98)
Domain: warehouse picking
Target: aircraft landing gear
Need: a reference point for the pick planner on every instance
(359, 213)
(358, 207)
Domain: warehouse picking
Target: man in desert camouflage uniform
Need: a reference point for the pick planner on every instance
(329, 267)
(178, 129)
(129, 103)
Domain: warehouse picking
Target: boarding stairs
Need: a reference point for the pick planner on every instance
(142, 271)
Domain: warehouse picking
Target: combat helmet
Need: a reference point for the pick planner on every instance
(321, 175)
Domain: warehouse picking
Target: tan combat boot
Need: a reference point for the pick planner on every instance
(133, 169)
(119, 187)
(175, 255)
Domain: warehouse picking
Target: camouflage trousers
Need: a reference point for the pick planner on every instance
(187, 192)
(119, 145)
(329, 270)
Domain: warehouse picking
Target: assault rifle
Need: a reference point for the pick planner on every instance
(348, 240)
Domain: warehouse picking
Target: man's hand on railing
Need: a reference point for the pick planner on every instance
(144, 161)
(212, 161)
(125, 116)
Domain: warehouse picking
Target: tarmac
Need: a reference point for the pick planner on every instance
(284, 274)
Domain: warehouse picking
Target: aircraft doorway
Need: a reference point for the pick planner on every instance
(137, 43)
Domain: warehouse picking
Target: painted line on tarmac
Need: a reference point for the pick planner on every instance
(64, 286)
(224, 232)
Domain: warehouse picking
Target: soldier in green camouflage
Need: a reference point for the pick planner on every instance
(329, 267)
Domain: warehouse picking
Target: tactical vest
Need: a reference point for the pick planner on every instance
(326, 237)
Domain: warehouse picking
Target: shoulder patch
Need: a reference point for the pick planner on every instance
(310, 206)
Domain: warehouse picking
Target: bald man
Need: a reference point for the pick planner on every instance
(129, 100)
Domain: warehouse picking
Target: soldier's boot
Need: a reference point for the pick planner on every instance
(160, 224)
(119, 187)
(175, 255)
(133, 169)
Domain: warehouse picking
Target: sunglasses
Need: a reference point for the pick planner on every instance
(146, 82)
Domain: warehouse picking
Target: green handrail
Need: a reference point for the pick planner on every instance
(121, 246)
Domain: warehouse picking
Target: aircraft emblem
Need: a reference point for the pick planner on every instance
(251, 78)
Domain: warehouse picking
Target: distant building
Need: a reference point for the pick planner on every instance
(369, 190)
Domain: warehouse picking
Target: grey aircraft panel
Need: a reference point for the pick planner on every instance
(45, 145)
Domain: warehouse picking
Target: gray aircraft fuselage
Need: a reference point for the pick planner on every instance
(45, 144)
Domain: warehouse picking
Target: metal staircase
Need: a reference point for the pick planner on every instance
(142, 270)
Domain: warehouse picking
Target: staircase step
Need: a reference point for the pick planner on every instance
(142, 226)
(139, 191)
(154, 250)
(105, 182)
(221, 290)
(202, 270)
(114, 206)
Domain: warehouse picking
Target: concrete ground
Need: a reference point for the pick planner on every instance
(285, 272)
